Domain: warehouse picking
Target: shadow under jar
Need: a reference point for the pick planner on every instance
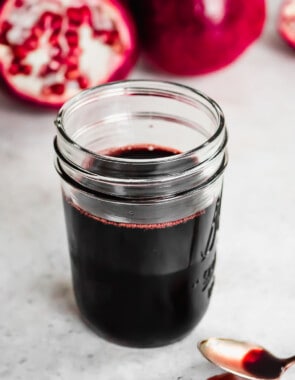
(142, 165)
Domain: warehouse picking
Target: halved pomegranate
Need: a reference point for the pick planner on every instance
(50, 50)
(189, 37)
(286, 25)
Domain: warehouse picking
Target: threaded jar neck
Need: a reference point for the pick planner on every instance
(135, 113)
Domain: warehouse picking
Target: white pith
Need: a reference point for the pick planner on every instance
(287, 24)
(289, 8)
(215, 9)
(97, 60)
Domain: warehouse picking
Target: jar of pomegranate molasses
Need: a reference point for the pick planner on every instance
(142, 165)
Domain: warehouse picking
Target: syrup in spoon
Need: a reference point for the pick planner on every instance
(244, 359)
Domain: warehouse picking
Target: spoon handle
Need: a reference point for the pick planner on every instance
(290, 362)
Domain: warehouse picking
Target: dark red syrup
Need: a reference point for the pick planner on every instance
(262, 364)
(144, 151)
(142, 285)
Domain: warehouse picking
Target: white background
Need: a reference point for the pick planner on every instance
(41, 335)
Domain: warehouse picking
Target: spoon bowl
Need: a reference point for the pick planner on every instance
(244, 359)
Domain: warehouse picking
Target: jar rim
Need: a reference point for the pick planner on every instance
(192, 95)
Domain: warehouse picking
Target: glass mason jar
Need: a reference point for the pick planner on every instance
(142, 165)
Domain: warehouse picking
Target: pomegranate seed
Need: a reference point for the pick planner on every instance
(118, 48)
(45, 20)
(75, 16)
(56, 22)
(19, 51)
(5, 27)
(107, 36)
(56, 50)
(45, 91)
(86, 14)
(17, 68)
(112, 37)
(37, 31)
(51, 68)
(72, 74)
(3, 40)
(72, 38)
(72, 60)
(99, 33)
(60, 59)
(72, 66)
(44, 71)
(31, 43)
(74, 51)
(18, 3)
(83, 82)
(14, 69)
(54, 65)
(53, 39)
(57, 88)
(54, 89)
(25, 69)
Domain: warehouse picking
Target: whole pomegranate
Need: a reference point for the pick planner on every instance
(287, 22)
(189, 37)
(52, 49)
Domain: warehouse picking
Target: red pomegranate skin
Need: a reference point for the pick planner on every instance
(120, 71)
(185, 37)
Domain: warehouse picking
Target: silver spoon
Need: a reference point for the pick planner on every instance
(244, 359)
